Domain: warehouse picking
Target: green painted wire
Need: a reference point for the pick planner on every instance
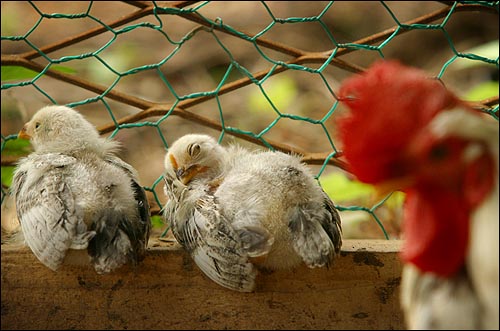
(161, 14)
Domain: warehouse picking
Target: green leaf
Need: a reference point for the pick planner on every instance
(17, 147)
(340, 188)
(157, 221)
(17, 73)
(64, 70)
(22, 73)
(7, 174)
(281, 90)
(482, 91)
(396, 200)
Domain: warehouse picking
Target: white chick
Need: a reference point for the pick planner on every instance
(233, 209)
(75, 198)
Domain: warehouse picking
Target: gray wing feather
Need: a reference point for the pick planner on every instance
(50, 220)
(316, 232)
(210, 239)
(332, 225)
(116, 161)
(216, 248)
(141, 229)
(111, 247)
(120, 238)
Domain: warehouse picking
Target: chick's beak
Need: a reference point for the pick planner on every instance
(23, 134)
(186, 174)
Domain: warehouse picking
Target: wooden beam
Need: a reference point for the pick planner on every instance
(167, 291)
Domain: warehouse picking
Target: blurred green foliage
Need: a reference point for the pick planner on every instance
(482, 91)
(16, 147)
(10, 73)
(7, 173)
(343, 189)
(340, 188)
(157, 221)
(281, 91)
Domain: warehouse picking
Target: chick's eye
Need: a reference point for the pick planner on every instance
(37, 125)
(438, 152)
(194, 149)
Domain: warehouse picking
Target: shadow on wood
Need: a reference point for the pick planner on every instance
(167, 291)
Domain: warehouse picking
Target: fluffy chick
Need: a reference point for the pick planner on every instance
(233, 209)
(75, 198)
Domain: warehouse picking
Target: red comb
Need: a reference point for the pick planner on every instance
(389, 104)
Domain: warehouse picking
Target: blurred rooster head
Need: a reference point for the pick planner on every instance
(391, 106)
(408, 132)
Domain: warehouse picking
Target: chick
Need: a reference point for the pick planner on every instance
(234, 209)
(77, 202)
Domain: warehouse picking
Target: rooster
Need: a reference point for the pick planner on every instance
(408, 132)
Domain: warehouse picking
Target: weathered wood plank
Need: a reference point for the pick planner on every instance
(167, 291)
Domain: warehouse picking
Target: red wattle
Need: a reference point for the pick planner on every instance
(436, 228)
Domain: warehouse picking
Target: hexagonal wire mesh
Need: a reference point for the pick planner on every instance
(261, 73)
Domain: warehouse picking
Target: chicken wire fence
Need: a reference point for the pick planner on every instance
(263, 72)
